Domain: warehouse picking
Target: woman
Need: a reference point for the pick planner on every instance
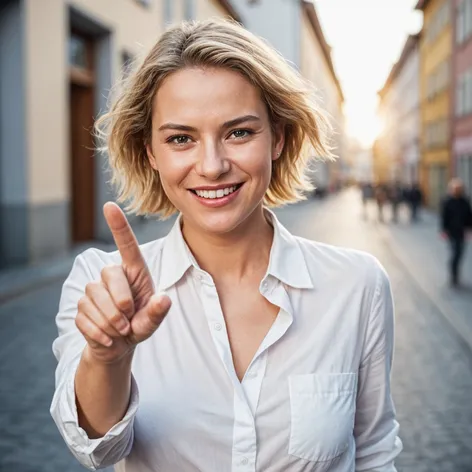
(229, 344)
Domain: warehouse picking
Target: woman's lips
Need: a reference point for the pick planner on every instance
(218, 201)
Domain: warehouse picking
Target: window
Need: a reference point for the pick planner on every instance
(464, 94)
(168, 11)
(437, 134)
(460, 22)
(459, 96)
(126, 63)
(468, 19)
(468, 92)
(464, 171)
(463, 21)
(78, 52)
(189, 13)
(438, 80)
(438, 22)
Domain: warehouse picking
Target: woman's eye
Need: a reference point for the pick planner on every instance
(181, 139)
(241, 133)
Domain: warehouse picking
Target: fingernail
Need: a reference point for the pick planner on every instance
(123, 327)
(109, 343)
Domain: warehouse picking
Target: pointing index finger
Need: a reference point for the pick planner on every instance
(123, 235)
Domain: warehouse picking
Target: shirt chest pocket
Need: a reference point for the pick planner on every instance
(323, 409)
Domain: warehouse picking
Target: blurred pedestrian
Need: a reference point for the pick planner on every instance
(415, 199)
(456, 219)
(266, 351)
(381, 197)
(366, 193)
(396, 198)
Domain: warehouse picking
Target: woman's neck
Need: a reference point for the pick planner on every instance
(236, 255)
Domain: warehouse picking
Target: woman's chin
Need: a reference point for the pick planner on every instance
(217, 222)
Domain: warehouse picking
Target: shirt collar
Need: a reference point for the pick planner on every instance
(286, 262)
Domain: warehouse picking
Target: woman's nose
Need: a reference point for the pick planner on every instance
(212, 162)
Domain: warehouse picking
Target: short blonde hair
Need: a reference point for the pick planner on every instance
(126, 127)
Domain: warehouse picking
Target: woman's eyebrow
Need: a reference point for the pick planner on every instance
(227, 124)
(241, 119)
(176, 126)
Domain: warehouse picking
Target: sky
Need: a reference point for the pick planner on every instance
(367, 37)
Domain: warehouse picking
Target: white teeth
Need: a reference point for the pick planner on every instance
(215, 193)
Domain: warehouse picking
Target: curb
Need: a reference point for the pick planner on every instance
(31, 278)
(463, 330)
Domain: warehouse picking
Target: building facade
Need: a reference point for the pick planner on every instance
(462, 88)
(293, 28)
(400, 113)
(317, 66)
(435, 98)
(58, 61)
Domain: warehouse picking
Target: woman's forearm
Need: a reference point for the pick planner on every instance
(102, 393)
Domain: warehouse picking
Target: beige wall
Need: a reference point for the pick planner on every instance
(46, 101)
(47, 82)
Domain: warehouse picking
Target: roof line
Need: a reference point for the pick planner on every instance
(422, 4)
(408, 48)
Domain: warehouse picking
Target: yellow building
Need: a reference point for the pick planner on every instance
(435, 98)
(62, 59)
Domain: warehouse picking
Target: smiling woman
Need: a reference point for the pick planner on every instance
(244, 347)
(284, 96)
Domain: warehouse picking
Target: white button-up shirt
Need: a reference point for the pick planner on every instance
(316, 396)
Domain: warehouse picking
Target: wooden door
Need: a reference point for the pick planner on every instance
(82, 168)
(83, 163)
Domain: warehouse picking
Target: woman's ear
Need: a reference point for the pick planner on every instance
(279, 140)
(150, 156)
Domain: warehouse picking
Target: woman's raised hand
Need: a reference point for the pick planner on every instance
(121, 310)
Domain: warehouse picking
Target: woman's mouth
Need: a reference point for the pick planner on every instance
(216, 197)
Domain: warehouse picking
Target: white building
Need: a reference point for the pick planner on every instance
(400, 112)
(293, 28)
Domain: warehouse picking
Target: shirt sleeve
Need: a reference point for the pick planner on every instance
(376, 428)
(68, 346)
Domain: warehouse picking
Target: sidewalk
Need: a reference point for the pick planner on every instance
(19, 280)
(425, 255)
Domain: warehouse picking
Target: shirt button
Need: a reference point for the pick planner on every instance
(217, 326)
(244, 461)
(264, 285)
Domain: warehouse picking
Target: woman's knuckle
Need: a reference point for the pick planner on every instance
(78, 321)
(82, 303)
(91, 288)
(125, 304)
(109, 271)
(115, 317)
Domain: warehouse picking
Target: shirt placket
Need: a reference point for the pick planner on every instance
(247, 392)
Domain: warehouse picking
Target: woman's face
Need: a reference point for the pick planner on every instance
(212, 146)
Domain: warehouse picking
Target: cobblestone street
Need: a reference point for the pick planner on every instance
(432, 377)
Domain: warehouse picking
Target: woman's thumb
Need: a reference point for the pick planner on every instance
(149, 318)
